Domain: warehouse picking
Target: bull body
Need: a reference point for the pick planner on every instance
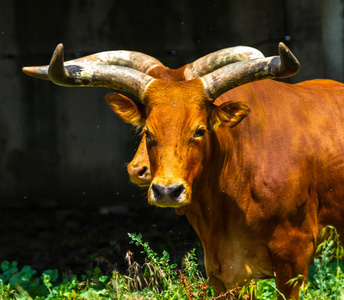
(273, 182)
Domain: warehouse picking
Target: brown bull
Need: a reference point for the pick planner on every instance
(257, 193)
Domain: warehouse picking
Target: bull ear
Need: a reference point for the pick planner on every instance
(130, 111)
(229, 114)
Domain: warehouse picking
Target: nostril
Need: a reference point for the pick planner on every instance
(142, 171)
(176, 191)
(156, 191)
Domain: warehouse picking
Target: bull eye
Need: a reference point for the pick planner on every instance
(199, 133)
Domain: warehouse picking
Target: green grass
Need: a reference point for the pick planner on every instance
(158, 278)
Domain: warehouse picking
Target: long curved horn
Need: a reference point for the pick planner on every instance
(84, 72)
(233, 75)
(218, 59)
(131, 59)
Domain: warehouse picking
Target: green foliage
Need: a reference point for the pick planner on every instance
(193, 283)
(158, 278)
(153, 261)
(326, 275)
(15, 284)
(266, 289)
(23, 281)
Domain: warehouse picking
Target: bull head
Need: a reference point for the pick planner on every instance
(178, 117)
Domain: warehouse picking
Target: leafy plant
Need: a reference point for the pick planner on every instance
(326, 276)
(22, 280)
(186, 283)
(193, 283)
(157, 272)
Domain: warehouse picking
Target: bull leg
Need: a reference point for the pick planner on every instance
(285, 270)
(291, 257)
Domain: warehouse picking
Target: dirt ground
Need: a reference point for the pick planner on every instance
(73, 237)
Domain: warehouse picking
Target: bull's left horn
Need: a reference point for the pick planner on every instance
(233, 75)
(218, 59)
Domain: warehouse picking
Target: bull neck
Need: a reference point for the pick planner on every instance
(217, 190)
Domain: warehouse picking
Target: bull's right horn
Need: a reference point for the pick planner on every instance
(131, 59)
(84, 72)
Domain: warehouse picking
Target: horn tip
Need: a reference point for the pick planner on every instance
(58, 50)
(282, 45)
(27, 70)
(38, 72)
(284, 50)
(31, 71)
(59, 46)
(291, 63)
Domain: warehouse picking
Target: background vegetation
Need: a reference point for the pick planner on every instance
(158, 278)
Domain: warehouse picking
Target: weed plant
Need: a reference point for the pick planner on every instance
(158, 278)
(326, 275)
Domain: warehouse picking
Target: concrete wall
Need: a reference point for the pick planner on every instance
(59, 142)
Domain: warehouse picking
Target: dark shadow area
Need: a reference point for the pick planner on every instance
(78, 238)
